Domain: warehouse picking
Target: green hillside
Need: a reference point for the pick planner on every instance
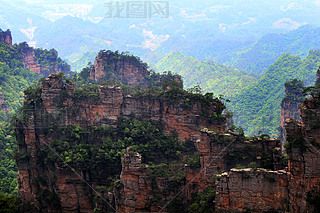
(268, 48)
(211, 76)
(257, 108)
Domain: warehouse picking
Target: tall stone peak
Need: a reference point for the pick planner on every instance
(5, 37)
(290, 105)
(127, 69)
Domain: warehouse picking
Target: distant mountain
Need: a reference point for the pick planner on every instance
(257, 107)
(266, 50)
(202, 29)
(211, 76)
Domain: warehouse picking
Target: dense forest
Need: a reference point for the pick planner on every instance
(257, 108)
(209, 75)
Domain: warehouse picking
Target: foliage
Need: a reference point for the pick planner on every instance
(94, 148)
(14, 79)
(48, 199)
(211, 76)
(8, 168)
(260, 56)
(79, 64)
(8, 204)
(294, 89)
(295, 141)
(203, 202)
(50, 58)
(257, 108)
(88, 94)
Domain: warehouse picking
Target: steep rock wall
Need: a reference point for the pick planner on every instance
(29, 60)
(66, 187)
(243, 190)
(5, 37)
(304, 158)
(290, 106)
(129, 70)
(295, 189)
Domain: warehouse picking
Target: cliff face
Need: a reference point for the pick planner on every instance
(242, 190)
(66, 187)
(290, 106)
(304, 158)
(129, 70)
(5, 37)
(295, 189)
(30, 60)
(54, 186)
(140, 191)
(40, 61)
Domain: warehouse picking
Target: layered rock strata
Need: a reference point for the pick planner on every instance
(126, 69)
(66, 187)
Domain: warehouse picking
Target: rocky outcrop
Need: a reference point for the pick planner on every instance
(59, 188)
(138, 190)
(290, 105)
(243, 190)
(296, 189)
(129, 70)
(222, 152)
(304, 158)
(5, 37)
(113, 104)
(30, 60)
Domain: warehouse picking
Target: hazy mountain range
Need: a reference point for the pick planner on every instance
(202, 29)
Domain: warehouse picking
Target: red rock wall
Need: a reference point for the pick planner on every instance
(135, 193)
(186, 122)
(29, 60)
(5, 37)
(128, 70)
(304, 158)
(243, 190)
(290, 108)
(125, 70)
(297, 189)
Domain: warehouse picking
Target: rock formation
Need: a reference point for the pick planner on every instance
(290, 105)
(64, 185)
(43, 66)
(57, 187)
(127, 69)
(5, 37)
(295, 189)
(29, 59)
